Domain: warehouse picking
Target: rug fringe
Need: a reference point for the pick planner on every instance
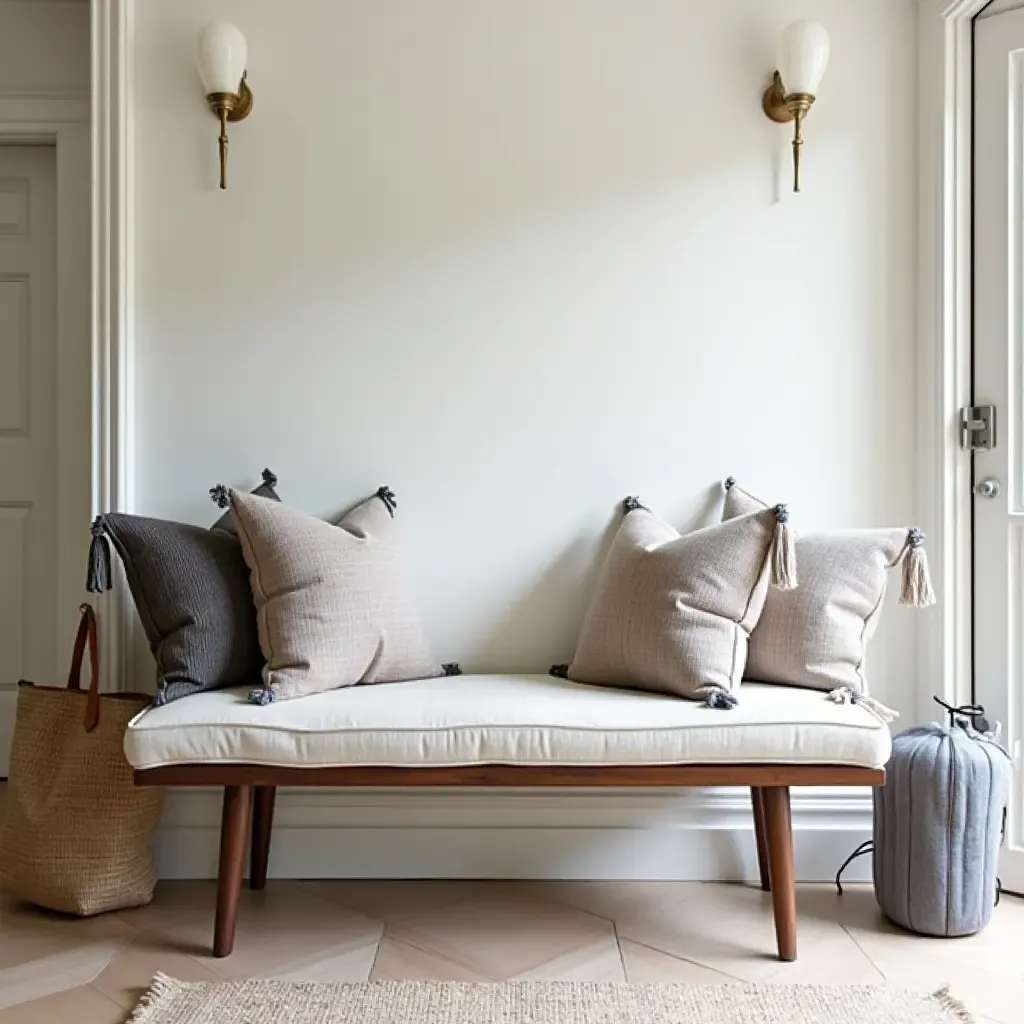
(161, 985)
(955, 1007)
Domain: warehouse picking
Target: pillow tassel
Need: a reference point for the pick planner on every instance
(917, 581)
(559, 671)
(846, 695)
(261, 697)
(269, 478)
(451, 668)
(97, 577)
(387, 496)
(720, 700)
(219, 496)
(783, 551)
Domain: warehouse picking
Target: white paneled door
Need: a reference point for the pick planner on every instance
(999, 381)
(28, 425)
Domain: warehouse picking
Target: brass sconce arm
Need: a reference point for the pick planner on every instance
(782, 108)
(229, 106)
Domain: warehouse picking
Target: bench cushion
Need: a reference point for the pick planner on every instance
(505, 719)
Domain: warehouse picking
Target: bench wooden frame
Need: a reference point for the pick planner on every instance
(250, 790)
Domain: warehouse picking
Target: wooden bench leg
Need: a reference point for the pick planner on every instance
(262, 823)
(762, 847)
(778, 824)
(234, 830)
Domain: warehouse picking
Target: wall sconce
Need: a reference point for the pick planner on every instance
(803, 57)
(222, 56)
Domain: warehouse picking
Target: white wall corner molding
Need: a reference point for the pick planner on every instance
(113, 260)
(944, 338)
(686, 835)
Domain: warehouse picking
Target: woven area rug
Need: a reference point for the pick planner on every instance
(524, 1002)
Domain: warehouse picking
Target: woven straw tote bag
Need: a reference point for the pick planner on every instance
(78, 833)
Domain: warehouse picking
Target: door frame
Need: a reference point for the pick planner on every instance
(113, 277)
(61, 120)
(945, 157)
(945, 31)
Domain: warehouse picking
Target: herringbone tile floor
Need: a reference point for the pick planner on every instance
(55, 970)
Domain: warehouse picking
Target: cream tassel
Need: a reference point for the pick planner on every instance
(917, 582)
(783, 551)
(844, 695)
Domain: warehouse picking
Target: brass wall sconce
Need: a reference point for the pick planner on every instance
(803, 57)
(222, 56)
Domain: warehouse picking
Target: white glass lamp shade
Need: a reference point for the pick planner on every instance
(803, 57)
(222, 56)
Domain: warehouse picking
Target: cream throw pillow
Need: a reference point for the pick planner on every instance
(332, 604)
(672, 613)
(817, 636)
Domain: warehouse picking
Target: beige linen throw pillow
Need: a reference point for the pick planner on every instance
(817, 636)
(672, 613)
(332, 604)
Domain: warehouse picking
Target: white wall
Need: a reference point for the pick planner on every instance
(44, 47)
(518, 259)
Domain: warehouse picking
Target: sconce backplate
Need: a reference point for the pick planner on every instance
(243, 107)
(236, 106)
(773, 102)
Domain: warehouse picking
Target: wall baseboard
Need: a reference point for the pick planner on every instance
(685, 835)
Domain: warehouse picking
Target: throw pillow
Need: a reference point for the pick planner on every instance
(817, 636)
(672, 613)
(191, 591)
(332, 605)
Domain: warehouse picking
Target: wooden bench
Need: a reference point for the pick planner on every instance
(504, 731)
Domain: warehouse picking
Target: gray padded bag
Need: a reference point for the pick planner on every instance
(191, 590)
(938, 827)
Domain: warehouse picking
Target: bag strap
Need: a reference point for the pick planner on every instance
(87, 631)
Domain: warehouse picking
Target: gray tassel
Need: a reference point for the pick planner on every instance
(451, 668)
(219, 496)
(631, 504)
(261, 697)
(559, 671)
(97, 576)
(730, 482)
(388, 497)
(161, 697)
(720, 700)
(917, 581)
(845, 695)
(269, 478)
(783, 551)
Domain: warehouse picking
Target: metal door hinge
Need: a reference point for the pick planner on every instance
(978, 428)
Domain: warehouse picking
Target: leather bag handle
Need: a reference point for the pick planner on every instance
(87, 631)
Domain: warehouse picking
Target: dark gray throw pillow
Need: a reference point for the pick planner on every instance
(191, 590)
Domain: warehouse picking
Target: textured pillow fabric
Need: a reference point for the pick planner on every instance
(672, 613)
(191, 590)
(817, 636)
(332, 604)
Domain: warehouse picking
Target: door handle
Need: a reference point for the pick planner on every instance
(988, 488)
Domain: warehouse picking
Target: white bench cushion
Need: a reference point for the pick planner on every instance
(505, 719)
